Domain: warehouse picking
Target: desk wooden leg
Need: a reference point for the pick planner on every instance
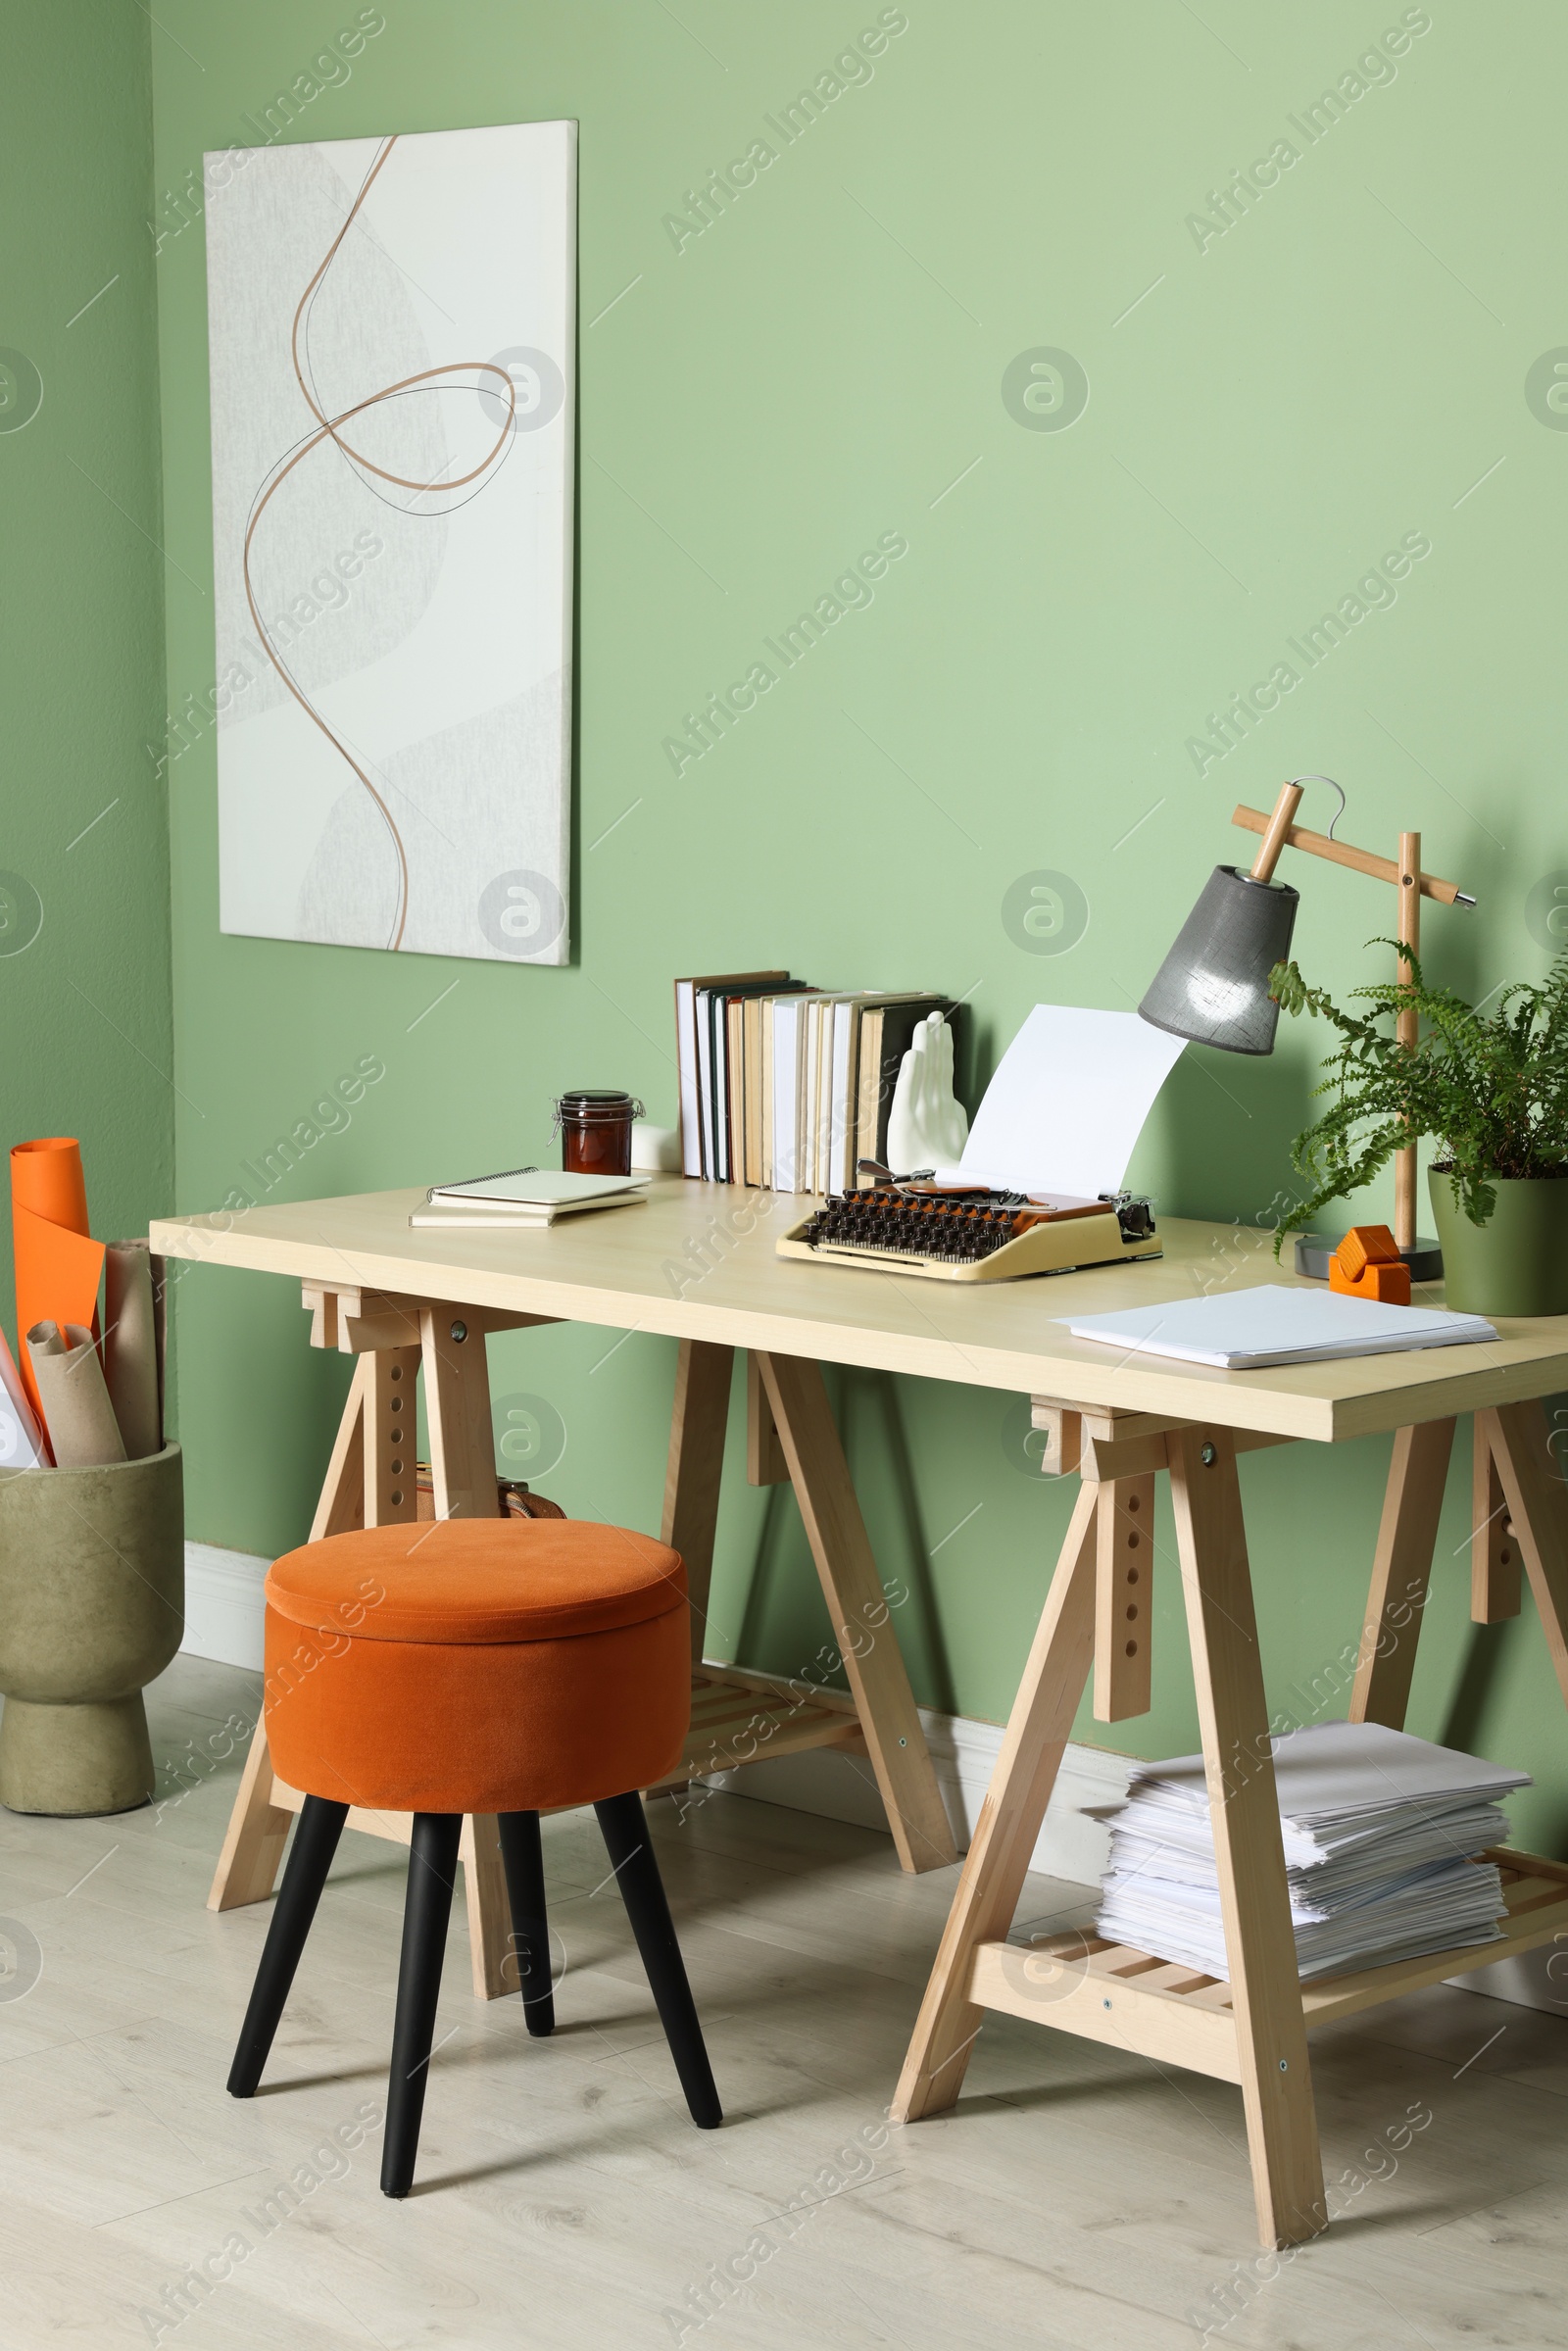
(1537, 1504)
(766, 1464)
(484, 1888)
(463, 1470)
(258, 1830)
(1495, 1592)
(858, 1605)
(391, 1485)
(253, 1847)
(1010, 1821)
(456, 1408)
(342, 1507)
(696, 1466)
(1254, 1900)
(1412, 1503)
(1124, 1598)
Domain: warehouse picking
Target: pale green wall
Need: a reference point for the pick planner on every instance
(819, 366)
(85, 1044)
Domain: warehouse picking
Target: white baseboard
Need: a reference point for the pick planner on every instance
(841, 1787)
(223, 1605)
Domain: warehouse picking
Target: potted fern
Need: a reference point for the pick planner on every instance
(1489, 1088)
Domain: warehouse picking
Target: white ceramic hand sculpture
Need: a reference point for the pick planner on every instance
(927, 1127)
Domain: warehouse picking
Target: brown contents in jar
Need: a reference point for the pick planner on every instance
(595, 1131)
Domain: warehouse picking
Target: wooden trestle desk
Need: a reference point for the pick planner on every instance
(697, 1265)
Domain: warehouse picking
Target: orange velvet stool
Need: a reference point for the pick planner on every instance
(477, 1665)
(508, 1666)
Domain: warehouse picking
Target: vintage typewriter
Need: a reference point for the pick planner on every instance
(958, 1232)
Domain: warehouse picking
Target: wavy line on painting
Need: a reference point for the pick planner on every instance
(329, 430)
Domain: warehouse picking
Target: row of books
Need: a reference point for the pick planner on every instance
(787, 1087)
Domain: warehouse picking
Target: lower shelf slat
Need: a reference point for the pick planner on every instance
(1162, 2008)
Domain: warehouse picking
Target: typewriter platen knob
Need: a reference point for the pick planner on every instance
(1135, 1214)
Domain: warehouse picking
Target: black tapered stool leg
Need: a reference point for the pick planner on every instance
(524, 1856)
(642, 1890)
(320, 1825)
(426, 1909)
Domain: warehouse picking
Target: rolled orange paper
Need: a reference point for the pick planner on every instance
(58, 1264)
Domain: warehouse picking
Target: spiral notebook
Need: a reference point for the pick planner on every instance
(523, 1196)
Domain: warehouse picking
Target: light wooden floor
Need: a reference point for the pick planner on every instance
(1076, 2198)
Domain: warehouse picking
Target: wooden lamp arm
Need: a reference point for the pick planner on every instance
(1276, 831)
(1280, 833)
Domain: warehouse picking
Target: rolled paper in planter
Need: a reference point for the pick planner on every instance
(157, 1270)
(21, 1445)
(83, 1433)
(58, 1265)
(130, 1348)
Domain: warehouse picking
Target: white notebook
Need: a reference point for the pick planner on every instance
(523, 1200)
(523, 1188)
(442, 1219)
(1241, 1329)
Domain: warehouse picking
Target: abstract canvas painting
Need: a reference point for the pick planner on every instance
(390, 328)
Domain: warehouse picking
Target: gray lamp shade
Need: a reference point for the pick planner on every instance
(1213, 984)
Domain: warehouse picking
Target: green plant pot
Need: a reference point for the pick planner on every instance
(92, 1605)
(1517, 1263)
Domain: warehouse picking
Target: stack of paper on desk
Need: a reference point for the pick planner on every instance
(1241, 1329)
(1377, 1828)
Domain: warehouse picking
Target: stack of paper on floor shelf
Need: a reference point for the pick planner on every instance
(1377, 1828)
(523, 1198)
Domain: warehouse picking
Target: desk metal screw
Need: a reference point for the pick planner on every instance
(1104, 2003)
(459, 1332)
(1285, 2065)
(1206, 1452)
(903, 1742)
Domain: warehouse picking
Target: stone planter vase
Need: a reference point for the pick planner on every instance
(1515, 1265)
(92, 1607)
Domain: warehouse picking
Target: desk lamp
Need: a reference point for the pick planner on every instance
(1213, 984)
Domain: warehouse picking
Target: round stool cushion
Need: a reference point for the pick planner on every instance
(477, 1665)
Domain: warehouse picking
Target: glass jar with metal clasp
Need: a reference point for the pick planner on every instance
(595, 1125)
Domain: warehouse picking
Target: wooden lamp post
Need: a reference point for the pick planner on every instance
(1213, 984)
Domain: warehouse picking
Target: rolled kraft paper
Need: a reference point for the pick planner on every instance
(21, 1445)
(130, 1348)
(58, 1264)
(158, 1268)
(83, 1433)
